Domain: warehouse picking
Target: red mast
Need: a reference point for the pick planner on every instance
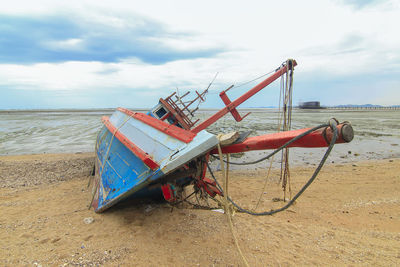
(231, 106)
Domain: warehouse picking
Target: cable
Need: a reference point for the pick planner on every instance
(286, 89)
(332, 124)
(250, 81)
(227, 209)
(184, 200)
(255, 79)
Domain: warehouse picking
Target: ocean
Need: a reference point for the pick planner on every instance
(377, 132)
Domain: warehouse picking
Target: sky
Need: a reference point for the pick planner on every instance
(105, 54)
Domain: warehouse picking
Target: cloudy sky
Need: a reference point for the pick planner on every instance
(97, 54)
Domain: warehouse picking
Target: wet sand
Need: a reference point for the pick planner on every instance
(349, 216)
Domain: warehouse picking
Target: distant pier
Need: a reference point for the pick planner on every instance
(317, 105)
(366, 108)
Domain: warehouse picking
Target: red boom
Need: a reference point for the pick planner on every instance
(319, 138)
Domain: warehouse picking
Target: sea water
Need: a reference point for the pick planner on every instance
(377, 132)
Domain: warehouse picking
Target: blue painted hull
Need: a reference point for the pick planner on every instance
(120, 173)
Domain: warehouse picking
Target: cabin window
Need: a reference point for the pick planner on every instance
(161, 112)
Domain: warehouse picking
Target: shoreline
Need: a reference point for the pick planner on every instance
(350, 215)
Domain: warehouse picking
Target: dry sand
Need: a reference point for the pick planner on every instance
(349, 216)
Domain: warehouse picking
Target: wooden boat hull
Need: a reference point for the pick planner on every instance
(134, 150)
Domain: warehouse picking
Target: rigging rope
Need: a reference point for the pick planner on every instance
(253, 80)
(227, 207)
(247, 82)
(332, 124)
(280, 113)
(286, 90)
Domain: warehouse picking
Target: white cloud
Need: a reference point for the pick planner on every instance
(129, 73)
(258, 35)
(67, 44)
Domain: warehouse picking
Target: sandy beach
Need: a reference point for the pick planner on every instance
(349, 216)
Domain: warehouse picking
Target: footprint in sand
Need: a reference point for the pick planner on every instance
(88, 237)
(56, 240)
(44, 241)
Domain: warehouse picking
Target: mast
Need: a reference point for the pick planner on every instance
(231, 106)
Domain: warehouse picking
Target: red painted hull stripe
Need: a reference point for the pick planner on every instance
(143, 156)
(171, 130)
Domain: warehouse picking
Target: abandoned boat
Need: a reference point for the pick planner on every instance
(163, 150)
